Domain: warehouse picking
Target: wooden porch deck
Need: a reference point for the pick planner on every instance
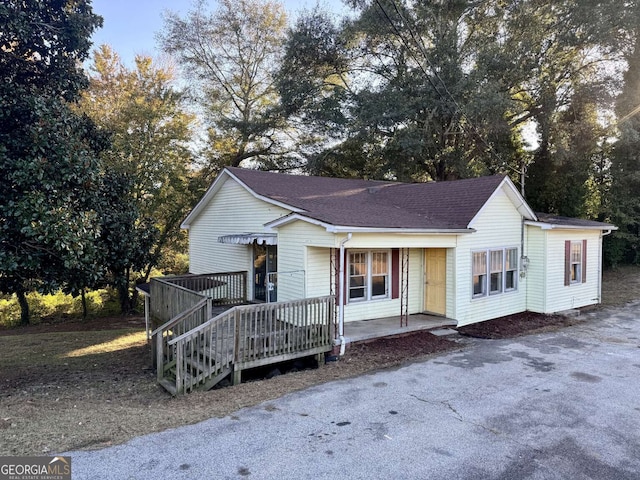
(197, 349)
(364, 330)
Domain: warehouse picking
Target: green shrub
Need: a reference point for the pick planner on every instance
(59, 306)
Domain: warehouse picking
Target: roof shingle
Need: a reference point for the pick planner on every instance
(375, 204)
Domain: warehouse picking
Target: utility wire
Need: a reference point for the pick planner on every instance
(420, 44)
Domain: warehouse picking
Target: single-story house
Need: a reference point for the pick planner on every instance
(469, 250)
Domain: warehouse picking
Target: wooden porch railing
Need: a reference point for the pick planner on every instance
(183, 322)
(172, 295)
(245, 337)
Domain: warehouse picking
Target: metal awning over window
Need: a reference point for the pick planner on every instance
(249, 238)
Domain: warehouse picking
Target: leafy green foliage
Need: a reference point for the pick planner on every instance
(412, 91)
(58, 306)
(148, 182)
(624, 245)
(48, 154)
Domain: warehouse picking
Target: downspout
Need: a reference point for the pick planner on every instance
(341, 294)
(600, 247)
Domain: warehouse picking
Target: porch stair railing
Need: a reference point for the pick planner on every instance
(242, 337)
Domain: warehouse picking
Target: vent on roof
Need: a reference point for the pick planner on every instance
(374, 189)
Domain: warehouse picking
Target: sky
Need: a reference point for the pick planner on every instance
(130, 25)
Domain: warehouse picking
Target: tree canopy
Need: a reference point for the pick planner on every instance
(149, 179)
(48, 153)
(230, 56)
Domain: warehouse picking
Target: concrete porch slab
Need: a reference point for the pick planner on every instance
(364, 330)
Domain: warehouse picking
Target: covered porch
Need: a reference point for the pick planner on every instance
(365, 330)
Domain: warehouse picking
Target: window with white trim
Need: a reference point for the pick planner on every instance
(369, 277)
(479, 274)
(510, 269)
(575, 269)
(494, 271)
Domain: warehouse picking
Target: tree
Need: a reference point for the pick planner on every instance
(414, 88)
(48, 154)
(230, 56)
(563, 82)
(623, 246)
(149, 181)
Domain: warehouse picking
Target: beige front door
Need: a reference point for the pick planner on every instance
(435, 280)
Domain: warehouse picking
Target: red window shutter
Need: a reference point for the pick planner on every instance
(567, 262)
(395, 273)
(584, 261)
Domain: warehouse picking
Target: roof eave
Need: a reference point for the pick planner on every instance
(555, 226)
(213, 189)
(355, 229)
(516, 198)
(423, 231)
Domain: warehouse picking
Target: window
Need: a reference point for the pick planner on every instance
(479, 274)
(357, 275)
(510, 269)
(368, 275)
(494, 271)
(575, 264)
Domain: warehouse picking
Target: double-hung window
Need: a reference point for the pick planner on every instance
(575, 270)
(510, 269)
(479, 274)
(575, 262)
(497, 267)
(369, 277)
(494, 271)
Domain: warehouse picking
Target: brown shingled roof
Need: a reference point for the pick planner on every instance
(364, 203)
(573, 222)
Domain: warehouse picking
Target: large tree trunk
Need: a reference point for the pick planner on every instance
(123, 294)
(24, 306)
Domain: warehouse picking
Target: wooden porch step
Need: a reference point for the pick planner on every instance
(207, 382)
(168, 385)
(213, 381)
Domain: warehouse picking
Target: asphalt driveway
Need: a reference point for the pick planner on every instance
(552, 406)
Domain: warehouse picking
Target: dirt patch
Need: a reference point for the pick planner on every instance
(620, 285)
(76, 325)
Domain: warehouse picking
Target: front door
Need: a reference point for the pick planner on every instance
(435, 280)
(265, 264)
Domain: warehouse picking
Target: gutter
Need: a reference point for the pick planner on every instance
(341, 294)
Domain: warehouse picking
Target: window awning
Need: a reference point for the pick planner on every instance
(249, 238)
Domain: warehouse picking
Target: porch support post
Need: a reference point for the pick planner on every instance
(146, 316)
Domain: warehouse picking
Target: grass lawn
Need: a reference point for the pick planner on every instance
(80, 385)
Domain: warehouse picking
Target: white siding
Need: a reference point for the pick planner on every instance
(537, 271)
(232, 210)
(416, 281)
(498, 226)
(319, 274)
(405, 240)
(451, 283)
(300, 264)
(560, 297)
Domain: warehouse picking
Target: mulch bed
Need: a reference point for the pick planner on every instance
(411, 345)
(518, 324)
